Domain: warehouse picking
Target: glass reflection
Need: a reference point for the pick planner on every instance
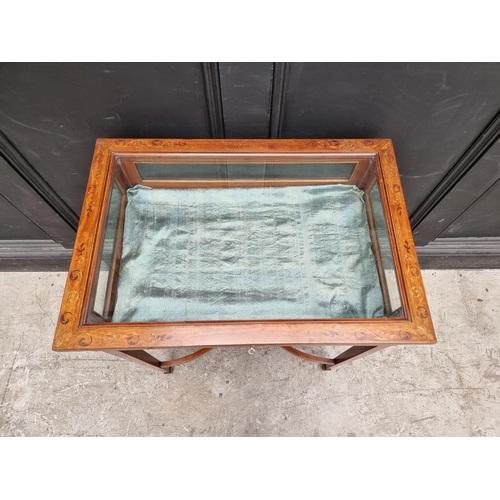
(383, 253)
(228, 171)
(103, 288)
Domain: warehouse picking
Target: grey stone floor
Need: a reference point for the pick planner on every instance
(449, 389)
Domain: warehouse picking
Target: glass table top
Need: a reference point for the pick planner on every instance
(244, 237)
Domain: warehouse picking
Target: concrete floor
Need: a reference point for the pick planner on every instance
(450, 389)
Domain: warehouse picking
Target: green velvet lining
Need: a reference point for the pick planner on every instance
(247, 253)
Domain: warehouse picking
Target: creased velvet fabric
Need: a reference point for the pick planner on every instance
(247, 253)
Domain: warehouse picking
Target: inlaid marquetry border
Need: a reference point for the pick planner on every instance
(73, 334)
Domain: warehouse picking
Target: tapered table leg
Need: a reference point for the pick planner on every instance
(353, 353)
(328, 363)
(143, 358)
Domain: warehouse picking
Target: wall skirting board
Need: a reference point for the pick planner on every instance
(460, 253)
(33, 255)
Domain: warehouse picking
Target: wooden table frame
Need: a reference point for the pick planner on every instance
(114, 160)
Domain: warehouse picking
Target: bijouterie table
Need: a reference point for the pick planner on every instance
(213, 243)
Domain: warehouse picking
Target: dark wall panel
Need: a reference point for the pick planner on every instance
(15, 226)
(29, 203)
(457, 201)
(481, 220)
(53, 113)
(432, 111)
(246, 99)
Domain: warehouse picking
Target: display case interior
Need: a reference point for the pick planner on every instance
(207, 237)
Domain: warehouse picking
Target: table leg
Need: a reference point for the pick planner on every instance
(353, 353)
(143, 358)
(328, 363)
